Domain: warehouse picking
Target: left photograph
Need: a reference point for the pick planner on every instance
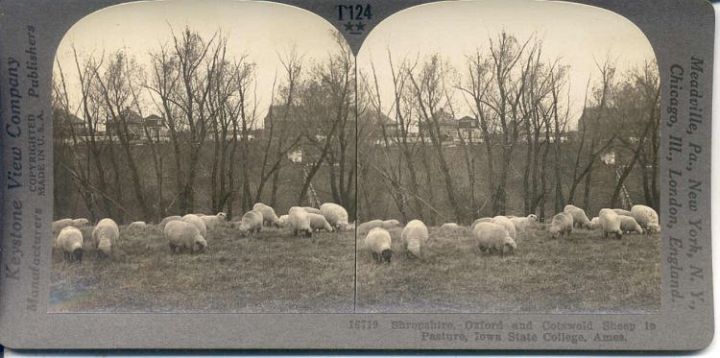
(204, 158)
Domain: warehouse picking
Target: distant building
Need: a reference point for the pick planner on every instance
(136, 125)
(453, 130)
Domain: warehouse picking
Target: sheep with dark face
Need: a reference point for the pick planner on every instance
(184, 236)
(70, 241)
(491, 237)
(104, 236)
(414, 236)
(610, 223)
(378, 241)
(299, 221)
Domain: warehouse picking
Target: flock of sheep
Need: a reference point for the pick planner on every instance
(492, 235)
(189, 233)
(500, 234)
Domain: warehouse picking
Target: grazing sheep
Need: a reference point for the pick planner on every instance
(312, 210)
(481, 220)
(136, 226)
(522, 223)
(182, 235)
(283, 220)
(251, 222)
(453, 228)
(561, 224)
(166, 220)
(610, 223)
(507, 224)
(391, 224)
(595, 223)
(58, 225)
(629, 225)
(336, 215)
(414, 236)
(580, 219)
(268, 213)
(104, 236)
(367, 226)
(199, 223)
(449, 226)
(622, 212)
(379, 242)
(212, 221)
(647, 217)
(318, 222)
(491, 237)
(78, 223)
(70, 241)
(299, 221)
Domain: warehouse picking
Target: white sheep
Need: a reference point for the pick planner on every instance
(104, 236)
(491, 237)
(622, 212)
(80, 222)
(168, 219)
(251, 222)
(58, 225)
(414, 236)
(136, 226)
(212, 221)
(610, 223)
(629, 225)
(561, 224)
(647, 217)
(522, 223)
(369, 225)
(379, 242)
(580, 219)
(312, 210)
(199, 223)
(453, 228)
(391, 224)
(183, 235)
(336, 215)
(299, 221)
(70, 241)
(318, 222)
(481, 220)
(595, 223)
(507, 224)
(283, 220)
(268, 213)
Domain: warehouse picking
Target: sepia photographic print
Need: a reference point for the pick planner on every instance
(504, 112)
(207, 114)
(323, 174)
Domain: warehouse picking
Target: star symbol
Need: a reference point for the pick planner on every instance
(360, 26)
(349, 26)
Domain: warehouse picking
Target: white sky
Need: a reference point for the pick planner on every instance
(578, 34)
(259, 29)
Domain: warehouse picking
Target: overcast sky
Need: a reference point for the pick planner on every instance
(259, 29)
(578, 34)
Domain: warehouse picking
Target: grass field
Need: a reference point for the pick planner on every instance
(584, 273)
(272, 272)
(275, 272)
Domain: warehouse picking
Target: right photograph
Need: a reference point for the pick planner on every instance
(508, 161)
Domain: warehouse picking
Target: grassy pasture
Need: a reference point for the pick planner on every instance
(270, 272)
(582, 273)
